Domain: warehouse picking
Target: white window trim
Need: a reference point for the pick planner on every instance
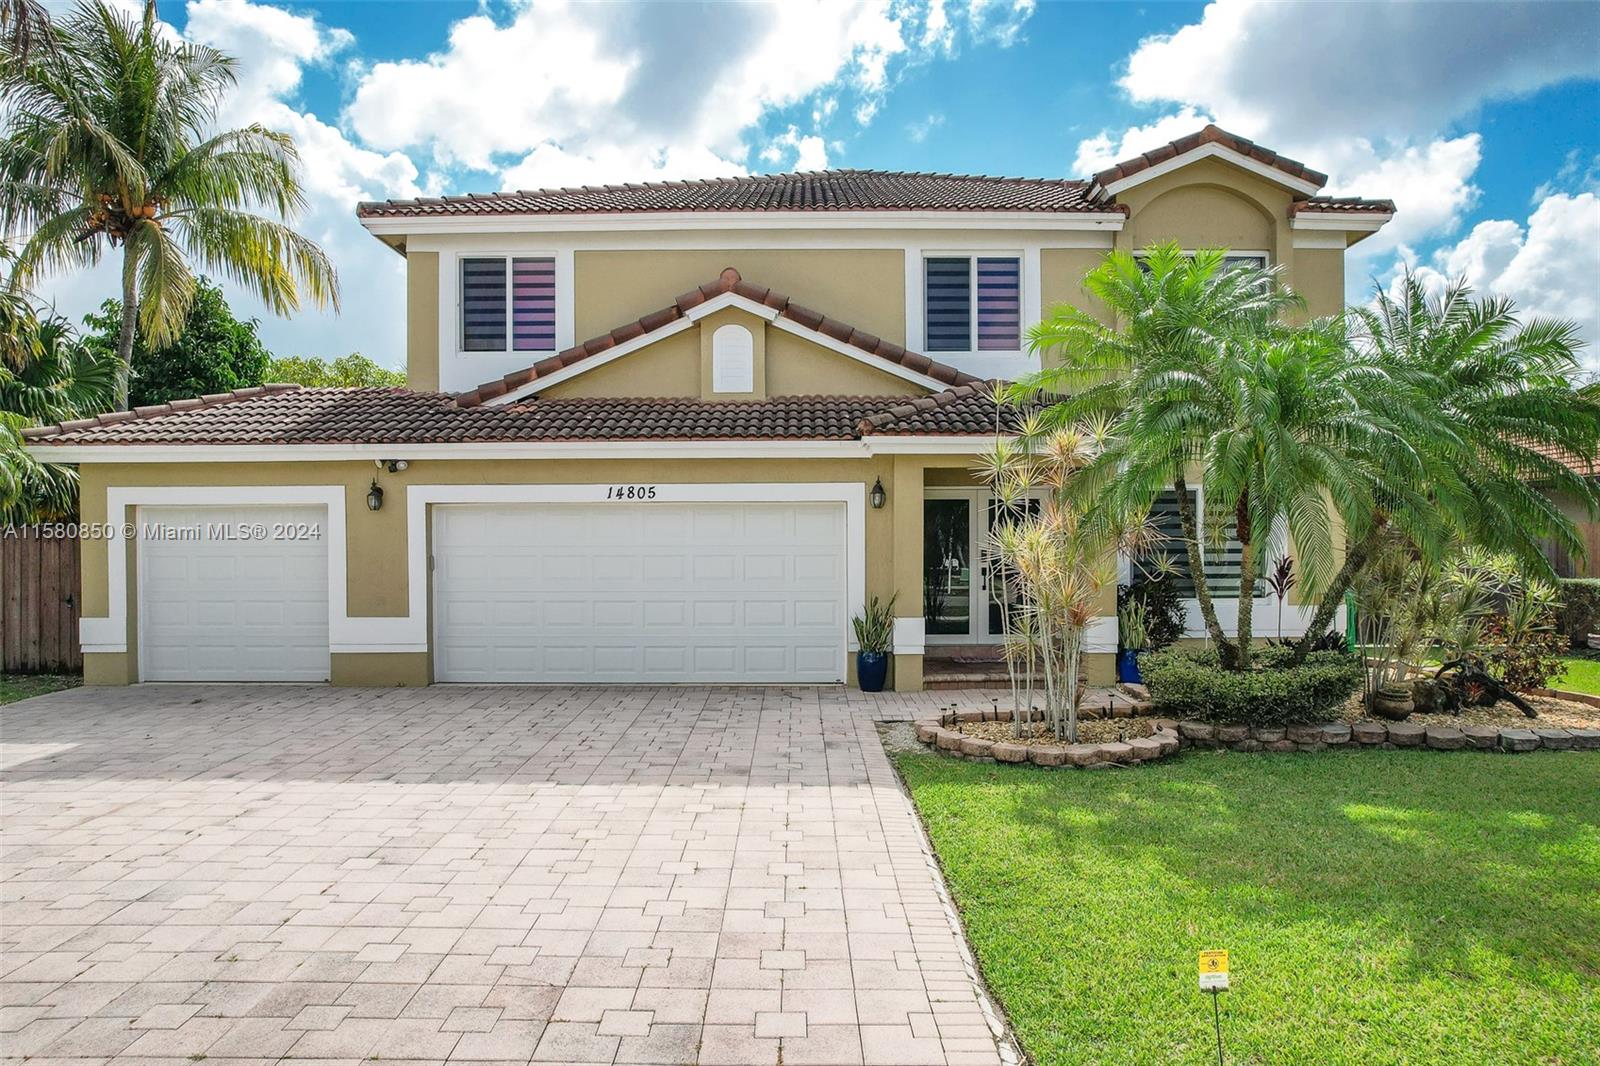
(1027, 285)
(460, 370)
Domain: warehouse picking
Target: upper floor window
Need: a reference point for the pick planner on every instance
(1221, 556)
(973, 303)
(493, 311)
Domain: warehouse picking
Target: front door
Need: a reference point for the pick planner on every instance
(960, 606)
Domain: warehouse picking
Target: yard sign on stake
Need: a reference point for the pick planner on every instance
(1214, 980)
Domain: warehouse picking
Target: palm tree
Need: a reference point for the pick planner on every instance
(1485, 404)
(108, 141)
(58, 379)
(1173, 312)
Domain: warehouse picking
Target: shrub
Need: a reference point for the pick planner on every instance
(1580, 609)
(1527, 662)
(1163, 608)
(1190, 683)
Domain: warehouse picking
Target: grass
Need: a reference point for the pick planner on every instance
(14, 687)
(1581, 675)
(1396, 907)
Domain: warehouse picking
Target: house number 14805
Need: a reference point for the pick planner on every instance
(631, 492)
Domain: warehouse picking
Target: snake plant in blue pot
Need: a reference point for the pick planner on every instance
(874, 639)
(1133, 636)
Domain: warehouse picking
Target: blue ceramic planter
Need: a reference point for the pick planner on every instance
(1128, 668)
(872, 670)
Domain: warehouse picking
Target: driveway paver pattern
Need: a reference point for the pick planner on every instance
(506, 874)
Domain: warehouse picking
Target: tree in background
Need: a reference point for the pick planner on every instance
(108, 141)
(212, 352)
(48, 375)
(353, 371)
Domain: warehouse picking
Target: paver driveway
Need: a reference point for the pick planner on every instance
(652, 875)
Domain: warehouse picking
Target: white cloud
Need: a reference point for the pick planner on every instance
(595, 80)
(1106, 148)
(1547, 267)
(1364, 92)
(810, 153)
(1580, 172)
(918, 131)
(1396, 71)
(548, 167)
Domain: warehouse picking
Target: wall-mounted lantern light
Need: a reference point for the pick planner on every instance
(878, 495)
(375, 496)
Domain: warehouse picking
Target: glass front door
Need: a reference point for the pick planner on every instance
(960, 604)
(947, 566)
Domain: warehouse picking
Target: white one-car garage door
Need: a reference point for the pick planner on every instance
(647, 592)
(233, 594)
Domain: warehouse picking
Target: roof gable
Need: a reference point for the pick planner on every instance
(1212, 141)
(729, 290)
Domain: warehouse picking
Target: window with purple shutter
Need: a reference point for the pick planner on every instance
(491, 309)
(533, 305)
(972, 304)
(483, 305)
(999, 305)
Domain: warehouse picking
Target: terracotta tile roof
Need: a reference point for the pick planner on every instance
(728, 281)
(1209, 135)
(822, 190)
(114, 418)
(966, 410)
(1589, 467)
(278, 415)
(1340, 204)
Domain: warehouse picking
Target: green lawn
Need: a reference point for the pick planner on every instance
(14, 687)
(1582, 675)
(1396, 907)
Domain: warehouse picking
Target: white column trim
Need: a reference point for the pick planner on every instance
(910, 636)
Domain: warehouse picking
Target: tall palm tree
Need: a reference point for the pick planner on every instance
(1487, 405)
(109, 142)
(1172, 312)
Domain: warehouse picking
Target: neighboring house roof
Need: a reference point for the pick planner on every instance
(289, 414)
(822, 190)
(727, 282)
(1578, 464)
(1210, 135)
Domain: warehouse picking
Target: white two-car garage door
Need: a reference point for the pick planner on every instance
(233, 594)
(639, 592)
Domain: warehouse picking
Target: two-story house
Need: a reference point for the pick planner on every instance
(772, 419)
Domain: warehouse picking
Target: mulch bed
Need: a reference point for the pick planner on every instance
(1553, 713)
(1089, 731)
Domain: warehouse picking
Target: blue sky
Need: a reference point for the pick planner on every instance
(1482, 121)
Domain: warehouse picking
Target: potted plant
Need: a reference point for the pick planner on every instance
(874, 638)
(1135, 637)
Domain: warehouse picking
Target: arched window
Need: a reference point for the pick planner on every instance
(733, 360)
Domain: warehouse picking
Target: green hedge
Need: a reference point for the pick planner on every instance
(1580, 608)
(1189, 683)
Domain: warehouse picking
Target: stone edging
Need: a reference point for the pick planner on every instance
(933, 732)
(1172, 736)
(1371, 733)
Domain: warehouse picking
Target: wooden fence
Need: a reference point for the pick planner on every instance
(39, 603)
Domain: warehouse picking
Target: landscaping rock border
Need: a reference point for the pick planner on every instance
(1172, 736)
(938, 734)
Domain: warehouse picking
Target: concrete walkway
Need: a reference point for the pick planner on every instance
(510, 874)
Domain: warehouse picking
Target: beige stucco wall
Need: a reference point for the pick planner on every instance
(376, 541)
(668, 368)
(1319, 279)
(422, 321)
(864, 287)
(797, 367)
(786, 365)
